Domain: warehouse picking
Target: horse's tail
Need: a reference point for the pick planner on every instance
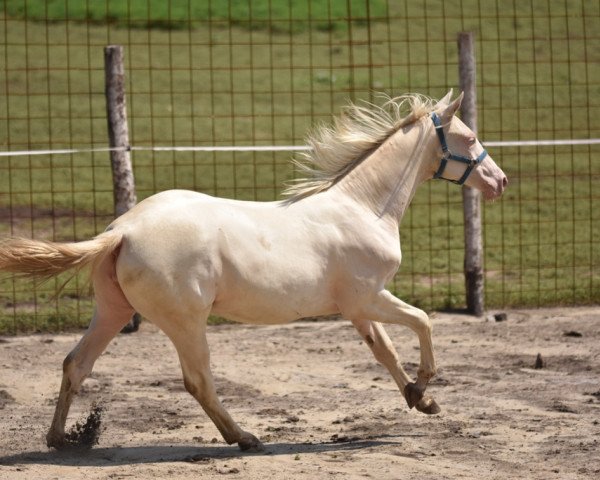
(38, 258)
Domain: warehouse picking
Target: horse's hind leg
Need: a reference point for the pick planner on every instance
(192, 348)
(111, 314)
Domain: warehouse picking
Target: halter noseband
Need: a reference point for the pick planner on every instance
(470, 162)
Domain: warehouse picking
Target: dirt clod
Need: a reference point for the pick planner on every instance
(561, 407)
(5, 398)
(539, 362)
(573, 333)
(335, 438)
(87, 433)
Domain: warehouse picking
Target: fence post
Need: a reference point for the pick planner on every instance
(474, 278)
(118, 136)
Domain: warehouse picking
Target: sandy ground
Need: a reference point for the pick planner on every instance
(323, 407)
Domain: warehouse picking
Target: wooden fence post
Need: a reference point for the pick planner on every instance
(474, 278)
(118, 135)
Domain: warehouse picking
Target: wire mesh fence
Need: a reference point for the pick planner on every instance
(212, 73)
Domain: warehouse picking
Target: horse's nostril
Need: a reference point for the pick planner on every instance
(504, 182)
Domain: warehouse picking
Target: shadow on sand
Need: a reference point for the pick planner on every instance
(110, 456)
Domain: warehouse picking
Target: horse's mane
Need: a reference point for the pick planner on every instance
(359, 130)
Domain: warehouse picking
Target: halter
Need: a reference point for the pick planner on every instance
(470, 162)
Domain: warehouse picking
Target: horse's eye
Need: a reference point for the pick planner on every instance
(472, 140)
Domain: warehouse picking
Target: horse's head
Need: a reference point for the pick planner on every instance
(461, 158)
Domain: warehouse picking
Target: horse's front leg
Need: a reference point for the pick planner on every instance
(388, 309)
(384, 352)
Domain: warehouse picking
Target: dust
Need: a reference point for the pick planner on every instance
(85, 434)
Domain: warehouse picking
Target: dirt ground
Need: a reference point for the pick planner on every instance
(321, 404)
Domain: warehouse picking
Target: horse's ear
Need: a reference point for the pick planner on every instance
(453, 107)
(446, 99)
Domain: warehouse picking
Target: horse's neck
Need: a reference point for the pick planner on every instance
(386, 181)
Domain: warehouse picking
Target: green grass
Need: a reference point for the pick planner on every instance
(272, 15)
(221, 84)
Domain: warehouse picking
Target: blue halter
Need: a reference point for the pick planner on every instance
(470, 162)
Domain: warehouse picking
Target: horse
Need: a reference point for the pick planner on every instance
(330, 247)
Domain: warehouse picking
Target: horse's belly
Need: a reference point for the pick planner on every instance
(257, 306)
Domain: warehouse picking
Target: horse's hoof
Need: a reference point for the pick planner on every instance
(428, 406)
(413, 394)
(249, 443)
(58, 442)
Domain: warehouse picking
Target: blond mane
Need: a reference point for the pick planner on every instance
(359, 130)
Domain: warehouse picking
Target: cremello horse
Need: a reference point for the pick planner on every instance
(330, 248)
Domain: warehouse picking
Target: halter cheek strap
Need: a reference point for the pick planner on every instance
(448, 155)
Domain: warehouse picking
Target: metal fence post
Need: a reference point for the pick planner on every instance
(473, 266)
(118, 135)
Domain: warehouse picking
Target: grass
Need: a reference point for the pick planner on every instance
(223, 83)
(274, 16)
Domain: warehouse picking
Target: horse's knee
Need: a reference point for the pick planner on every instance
(382, 350)
(422, 322)
(365, 330)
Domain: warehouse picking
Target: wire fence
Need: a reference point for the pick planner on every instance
(260, 73)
